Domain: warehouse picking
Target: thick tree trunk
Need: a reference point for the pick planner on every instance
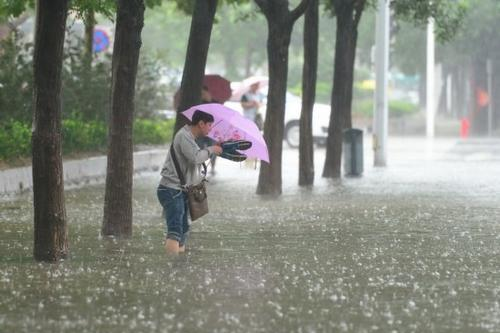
(89, 38)
(270, 180)
(309, 73)
(340, 117)
(118, 194)
(51, 240)
(196, 58)
(280, 22)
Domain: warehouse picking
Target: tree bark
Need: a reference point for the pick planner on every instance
(309, 74)
(89, 38)
(348, 15)
(118, 194)
(50, 233)
(196, 58)
(280, 21)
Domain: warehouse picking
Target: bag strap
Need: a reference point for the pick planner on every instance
(178, 168)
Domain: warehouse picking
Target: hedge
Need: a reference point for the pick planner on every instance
(396, 108)
(79, 136)
(15, 140)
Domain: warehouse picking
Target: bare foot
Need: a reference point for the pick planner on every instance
(172, 247)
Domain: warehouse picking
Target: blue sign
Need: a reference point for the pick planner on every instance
(100, 41)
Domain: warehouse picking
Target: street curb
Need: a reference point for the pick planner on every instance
(78, 172)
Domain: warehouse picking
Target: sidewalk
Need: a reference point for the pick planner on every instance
(78, 172)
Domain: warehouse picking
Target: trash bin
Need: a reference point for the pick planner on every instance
(352, 148)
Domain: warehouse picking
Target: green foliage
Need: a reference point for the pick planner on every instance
(323, 92)
(16, 79)
(479, 37)
(401, 108)
(448, 15)
(91, 136)
(362, 107)
(397, 108)
(85, 91)
(15, 139)
(148, 131)
(14, 7)
(150, 94)
(79, 136)
(105, 7)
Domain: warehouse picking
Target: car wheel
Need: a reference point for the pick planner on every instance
(292, 134)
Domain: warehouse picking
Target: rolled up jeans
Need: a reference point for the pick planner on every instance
(175, 207)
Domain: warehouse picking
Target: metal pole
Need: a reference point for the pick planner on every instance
(380, 116)
(489, 71)
(430, 80)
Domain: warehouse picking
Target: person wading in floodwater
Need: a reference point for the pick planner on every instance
(171, 194)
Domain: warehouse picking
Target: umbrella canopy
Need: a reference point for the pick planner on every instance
(231, 125)
(244, 86)
(219, 87)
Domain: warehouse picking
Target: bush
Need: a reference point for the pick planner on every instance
(80, 136)
(83, 136)
(402, 108)
(85, 90)
(362, 107)
(16, 79)
(15, 140)
(148, 131)
(397, 108)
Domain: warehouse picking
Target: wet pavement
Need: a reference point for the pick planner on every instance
(413, 247)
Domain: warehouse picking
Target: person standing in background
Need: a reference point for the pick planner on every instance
(251, 101)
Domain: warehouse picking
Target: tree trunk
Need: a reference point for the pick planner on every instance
(89, 38)
(340, 118)
(87, 58)
(118, 194)
(50, 233)
(196, 58)
(270, 180)
(280, 21)
(309, 73)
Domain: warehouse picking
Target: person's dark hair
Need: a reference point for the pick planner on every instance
(201, 116)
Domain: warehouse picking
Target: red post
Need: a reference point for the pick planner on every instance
(464, 127)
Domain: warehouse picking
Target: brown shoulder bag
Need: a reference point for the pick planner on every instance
(196, 193)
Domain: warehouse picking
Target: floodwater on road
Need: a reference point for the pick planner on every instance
(412, 247)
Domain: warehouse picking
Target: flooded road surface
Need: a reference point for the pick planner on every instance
(413, 247)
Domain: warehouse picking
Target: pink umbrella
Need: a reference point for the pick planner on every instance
(231, 125)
